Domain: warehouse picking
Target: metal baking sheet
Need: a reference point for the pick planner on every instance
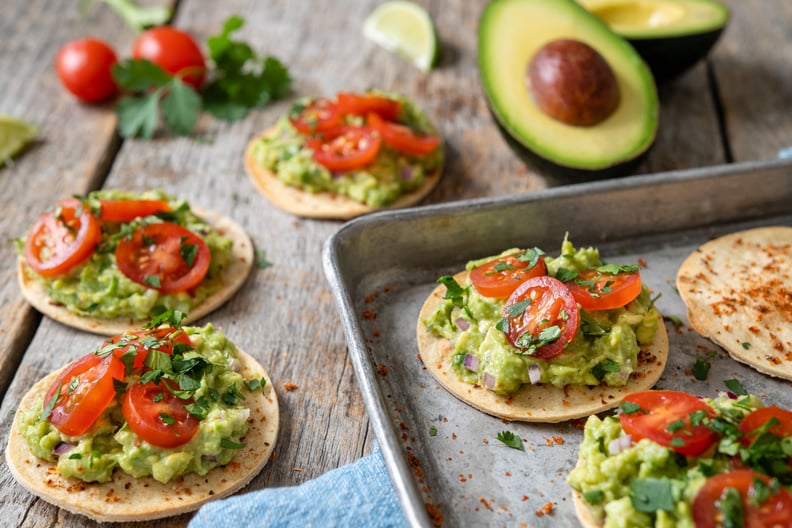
(382, 267)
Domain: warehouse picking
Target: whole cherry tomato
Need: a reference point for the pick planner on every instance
(174, 51)
(84, 68)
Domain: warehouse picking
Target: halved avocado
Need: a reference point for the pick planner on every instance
(511, 32)
(670, 35)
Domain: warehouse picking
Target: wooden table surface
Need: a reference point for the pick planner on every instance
(733, 107)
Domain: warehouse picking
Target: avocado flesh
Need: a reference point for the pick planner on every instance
(511, 32)
(670, 35)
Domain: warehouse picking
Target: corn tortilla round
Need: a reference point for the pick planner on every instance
(541, 402)
(322, 205)
(582, 511)
(738, 293)
(232, 279)
(127, 498)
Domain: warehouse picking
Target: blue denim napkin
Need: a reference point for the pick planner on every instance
(359, 494)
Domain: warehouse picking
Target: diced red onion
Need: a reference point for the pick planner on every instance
(61, 448)
(620, 444)
(462, 323)
(489, 380)
(534, 373)
(471, 362)
(209, 458)
(235, 365)
(731, 395)
(407, 172)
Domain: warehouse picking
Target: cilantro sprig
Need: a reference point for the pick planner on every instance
(511, 440)
(239, 81)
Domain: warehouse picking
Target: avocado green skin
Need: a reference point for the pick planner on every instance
(561, 175)
(670, 57)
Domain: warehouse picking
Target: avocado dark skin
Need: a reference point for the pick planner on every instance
(669, 58)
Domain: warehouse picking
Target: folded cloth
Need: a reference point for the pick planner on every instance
(359, 494)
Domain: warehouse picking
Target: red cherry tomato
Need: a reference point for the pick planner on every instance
(542, 316)
(499, 277)
(759, 417)
(157, 416)
(355, 148)
(174, 51)
(158, 256)
(774, 512)
(362, 104)
(319, 116)
(664, 417)
(83, 390)
(403, 138)
(142, 341)
(128, 210)
(62, 239)
(84, 68)
(595, 290)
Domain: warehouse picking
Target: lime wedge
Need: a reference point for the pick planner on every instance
(405, 28)
(15, 135)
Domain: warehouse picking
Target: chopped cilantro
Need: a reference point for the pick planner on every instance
(261, 259)
(566, 275)
(157, 360)
(75, 382)
(158, 397)
(232, 396)
(225, 443)
(701, 369)
(49, 405)
(761, 492)
(595, 496)
(746, 345)
(651, 494)
(629, 408)
(601, 445)
(531, 256)
(75, 456)
(171, 317)
(199, 409)
(615, 269)
(256, 384)
(511, 440)
(167, 419)
(677, 442)
(119, 386)
(735, 386)
(603, 367)
(188, 253)
(517, 309)
(433, 431)
(676, 321)
(731, 508)
(675, 426)
(152, 280)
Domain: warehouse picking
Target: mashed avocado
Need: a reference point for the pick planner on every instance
(110, 444)
(605, 479)
(604, 350)
(97, 288)
(389, 176)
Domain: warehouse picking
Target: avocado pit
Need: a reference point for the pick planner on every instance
(572, 83)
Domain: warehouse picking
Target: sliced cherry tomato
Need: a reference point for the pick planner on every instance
(499, 277)
(355, 148)
(760, 417)
(84, 68)
(774, 512)
(402, 138)
(174, 51)
(157, 416)
(320, 116)
(128, 210)
(142, 341)
(83, 391)
(164, 256)
(62, 239)
(664, 417)
(595, 290)
(362, 104)
(542, 317)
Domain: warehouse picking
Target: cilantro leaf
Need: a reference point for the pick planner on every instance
(171, 317)
(139, 75)
(615, 269)
(138, 116)
(181, 107)
(225, 443)
(511, 440)
(735, 386)
(629, 408)
(433, 431)
(261, 259)
(605, 366)
(566, 275)
(651, 494)
(594, 496)
(188, 253)
(46, 409)
(701, 369)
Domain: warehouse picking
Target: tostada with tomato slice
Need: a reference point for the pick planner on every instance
(344, 157)
(527, 337)
(152, 423)
(670, 459)
(113, 259)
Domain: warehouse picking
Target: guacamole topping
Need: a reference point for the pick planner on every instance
(603, 351)
(110, 443)
(97, 288)
(391, 175)
(608, 474)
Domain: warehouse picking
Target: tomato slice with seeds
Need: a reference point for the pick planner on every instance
(595, 290)
(142, 341)
(354, 148)
(542, 317)
(165, 257)
(362, 104)
(317, 116)
(83, 391)
(499, 277)
(759, 417)
(128, 210)
(665, 417)
(157, 416)
(403, 138)
(775, 510)
(62, 239)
